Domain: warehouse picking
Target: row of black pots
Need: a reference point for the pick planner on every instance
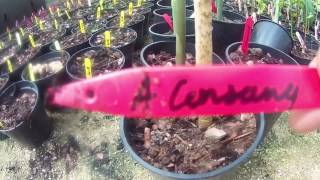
(264, 121)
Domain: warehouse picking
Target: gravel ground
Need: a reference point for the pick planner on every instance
(87, 146)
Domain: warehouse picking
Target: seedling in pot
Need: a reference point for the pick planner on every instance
(119, 37)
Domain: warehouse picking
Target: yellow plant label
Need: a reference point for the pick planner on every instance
(57, 45)
(130, 9)
(122, 20)
(1, 45)
(21, 31)
(82, 27)
(98, 12)
(115, 2)
(58, 12)
(18, 38)
(67, 13)
(101, 4)
(31, 74)
(56, 25)
(68, 6)
(9, 64)
(107, 39)
(9, 34)
(41, 25)
(139, 3)
(31, 40)
(88, 68)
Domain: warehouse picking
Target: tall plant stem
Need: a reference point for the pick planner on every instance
(179, 25)
(277, 13)
(203, 30)
(220, 9)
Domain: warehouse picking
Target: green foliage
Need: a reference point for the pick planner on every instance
(262, 6)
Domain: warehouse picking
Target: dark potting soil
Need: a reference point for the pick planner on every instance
(119, 37)
(180, 146)
(48, 36)
(92, 26)
(82, 12)
(105, 14)
(25, 55)
(103, 61)
(74, 39)
(16, 109)
(166, 59)
(129, 20)
(255, 56)
(49, 67)
(3, 81)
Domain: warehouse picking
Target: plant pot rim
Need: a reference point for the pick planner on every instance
(231, 12)
(4, 75)
(51, 47)
(109, 28)
(155, 12)
(217, 172)
(84, 50)
(187, 6)
(160, 42)
(44, 58)
(283, 28)
(127, 26)
(34, 89)
(167, 35)
(256, 44)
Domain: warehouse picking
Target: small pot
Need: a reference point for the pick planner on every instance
(36, 128)
(69, 66)
(226, 33)
(137, 26)
(159, 32)
(271, 118)
(52, 80)
(170, 47)
(76, 47)
(127, 49)
(51, 36)
(273, 35)
(18, 66)
(126, 125)
(167, 4)
(158, 13)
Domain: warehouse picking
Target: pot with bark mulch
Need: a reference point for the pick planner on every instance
(105, 14)
(121, 38)
(158, 14)
(104, 60)
(305, 55)
(259, 54)
(228, 31)
(82, 13)
(120, 5)
(134, 22)
(167, 4)
(273, 35)
(91, 26)
(48, 70)
(73, 42)
(147, 14)
(179, 149)
(19, 59)
(162, 32)
(162, 53)
(45, 38)
(22, 115)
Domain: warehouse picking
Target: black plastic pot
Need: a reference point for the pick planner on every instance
(77, 54)
(228, 7)
(73, 49)
(37, 127)
(126, 125)
(6, 76)
(311, 45)
(167, 4)
(271, 118)
(170, 47)
(273, 35)
(138, 27)
(226, 33)
(159, 32)
(52, 80)
(147, 14)
(46, 47)
(127, 49)
(157, 14)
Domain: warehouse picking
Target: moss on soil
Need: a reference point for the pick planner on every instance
(87, 146)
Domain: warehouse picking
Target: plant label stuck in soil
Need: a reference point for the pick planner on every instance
(187, 91)
(88, 68)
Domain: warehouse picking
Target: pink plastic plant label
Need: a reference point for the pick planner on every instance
(185, 91)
